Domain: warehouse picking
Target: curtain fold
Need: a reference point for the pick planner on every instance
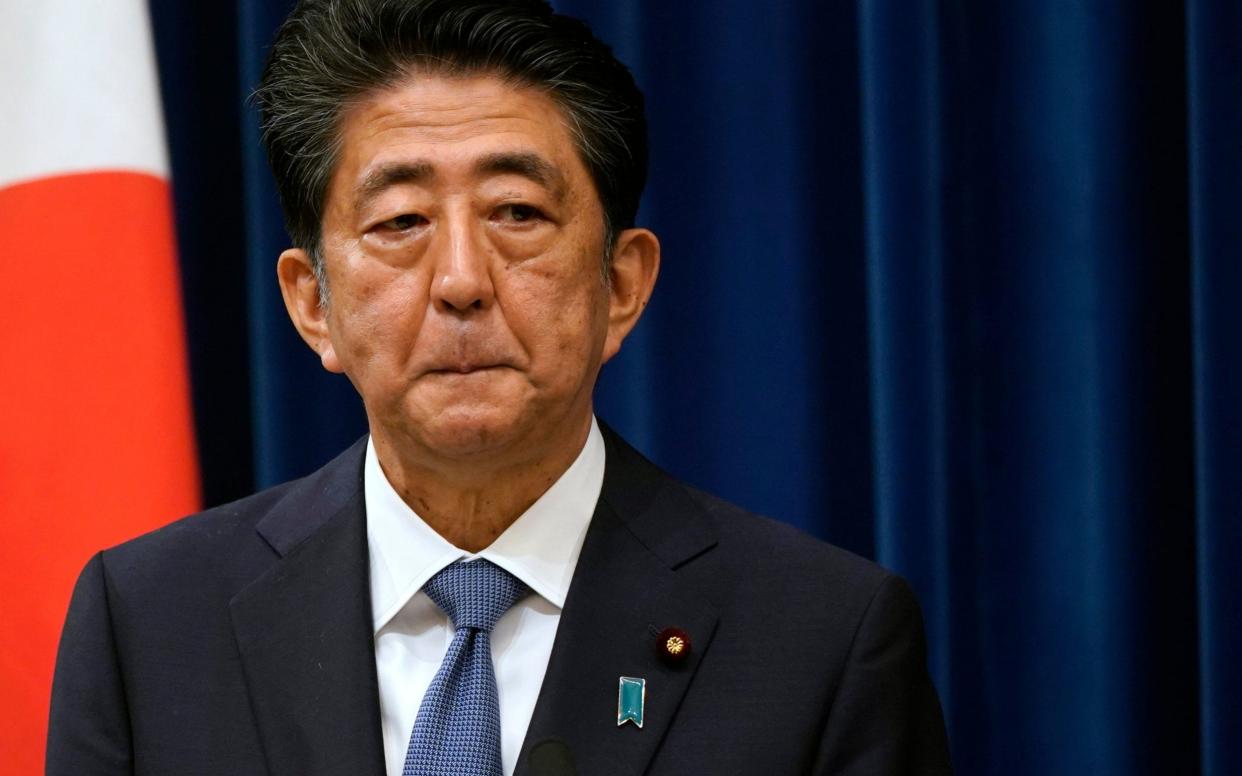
(301, 415)
(912, 392)
(1214, 81)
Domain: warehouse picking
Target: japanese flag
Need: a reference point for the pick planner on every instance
(96, 442)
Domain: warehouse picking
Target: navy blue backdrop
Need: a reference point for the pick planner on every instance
(956, 285)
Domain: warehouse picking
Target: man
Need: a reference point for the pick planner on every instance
(491, 582)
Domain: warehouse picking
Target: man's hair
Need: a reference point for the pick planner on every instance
(330, 53)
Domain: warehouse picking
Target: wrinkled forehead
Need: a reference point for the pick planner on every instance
(442, 93)
(428, 124)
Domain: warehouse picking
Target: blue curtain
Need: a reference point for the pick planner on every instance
(956, 285)
(1214, 118)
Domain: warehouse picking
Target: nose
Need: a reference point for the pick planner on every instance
(463, 278)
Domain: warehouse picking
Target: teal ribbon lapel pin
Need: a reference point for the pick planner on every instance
(631, 697)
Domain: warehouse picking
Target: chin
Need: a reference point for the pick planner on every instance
(465, 433)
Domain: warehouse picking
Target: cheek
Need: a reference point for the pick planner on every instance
(560, 316)
(549, 288)
(379, 317)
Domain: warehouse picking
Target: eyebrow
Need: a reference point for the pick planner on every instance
(531, 166)
(528, 165)
(388, 175)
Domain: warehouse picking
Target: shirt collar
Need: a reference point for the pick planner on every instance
(540, 548)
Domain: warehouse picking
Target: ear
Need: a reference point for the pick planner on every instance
(300, 289)
(632, 277)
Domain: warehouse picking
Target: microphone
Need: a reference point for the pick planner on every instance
(551, 757)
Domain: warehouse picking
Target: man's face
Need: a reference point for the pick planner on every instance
(462, 241)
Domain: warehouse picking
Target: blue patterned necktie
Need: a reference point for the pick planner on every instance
(457, 731)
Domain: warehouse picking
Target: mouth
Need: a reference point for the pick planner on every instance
(466, 369)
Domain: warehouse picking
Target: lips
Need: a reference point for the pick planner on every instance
(464, 357)
(464, 369)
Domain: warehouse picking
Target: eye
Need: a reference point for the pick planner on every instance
(403, 222)
(519, 213)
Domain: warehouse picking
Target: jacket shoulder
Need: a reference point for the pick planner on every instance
(197, 534)
(771, 547)
(264, 524)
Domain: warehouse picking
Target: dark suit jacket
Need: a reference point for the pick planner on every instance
(239, 641)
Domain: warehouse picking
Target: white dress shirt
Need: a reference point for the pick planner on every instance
(412, 635)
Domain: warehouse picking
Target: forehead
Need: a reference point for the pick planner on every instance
(447, 124)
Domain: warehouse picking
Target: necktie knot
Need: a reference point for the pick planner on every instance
(474, 594)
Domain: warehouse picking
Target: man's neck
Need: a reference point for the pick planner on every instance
(471, 505)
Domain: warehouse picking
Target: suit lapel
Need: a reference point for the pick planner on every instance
(625, 590)
(304, 631)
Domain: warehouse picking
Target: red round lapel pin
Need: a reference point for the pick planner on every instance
(673, 646)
